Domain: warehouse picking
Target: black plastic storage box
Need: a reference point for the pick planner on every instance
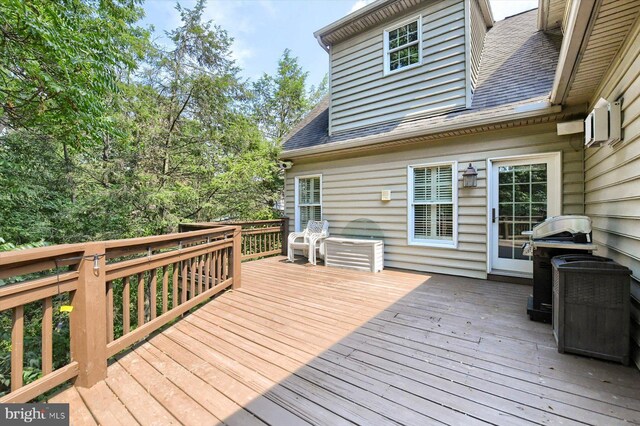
(539, 305)
(591, 306)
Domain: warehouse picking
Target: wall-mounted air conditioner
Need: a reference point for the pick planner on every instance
(603, 125)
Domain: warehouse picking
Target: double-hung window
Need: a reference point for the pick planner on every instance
(432, 205)
(308, 195)
(403, 45)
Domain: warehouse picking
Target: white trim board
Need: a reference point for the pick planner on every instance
(554, 201)
(385, 45)
(296, 194)
(467, 53)
(453, 244)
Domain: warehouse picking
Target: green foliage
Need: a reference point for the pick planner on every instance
(60, 63)
(8, 246)
(184, 149)
(33, 342)
(281, 101)
(105, 135)
(34, 189)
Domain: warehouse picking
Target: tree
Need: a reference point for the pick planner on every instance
(184, 149)
(198, 134)
(111, 136)
(281, 101)
(33, 191)
(191, 152)
(316, 93)
(59, 64)
(102, 142)
(60, 67)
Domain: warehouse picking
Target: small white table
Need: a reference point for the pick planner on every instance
(360, 254)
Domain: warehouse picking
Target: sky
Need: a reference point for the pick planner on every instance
(263, 29)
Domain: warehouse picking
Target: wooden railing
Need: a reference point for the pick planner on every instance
(118, 292)
(260, 238)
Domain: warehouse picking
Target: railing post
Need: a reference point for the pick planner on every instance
(236, 258)
(89, 318)
(285, 235)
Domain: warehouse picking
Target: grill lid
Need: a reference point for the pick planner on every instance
(559, 225)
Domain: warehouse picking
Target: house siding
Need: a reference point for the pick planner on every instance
(352, 186)
(612, 178)
(478, 33)
(608, 34)
(360, 93)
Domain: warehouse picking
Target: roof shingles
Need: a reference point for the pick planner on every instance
(518, 66)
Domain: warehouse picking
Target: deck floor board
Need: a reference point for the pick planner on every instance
(313, 345)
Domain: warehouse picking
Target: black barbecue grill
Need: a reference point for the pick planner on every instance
(555, 236)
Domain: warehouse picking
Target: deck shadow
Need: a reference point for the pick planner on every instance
(299, 344)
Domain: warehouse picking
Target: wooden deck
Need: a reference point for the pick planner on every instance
(301, 344)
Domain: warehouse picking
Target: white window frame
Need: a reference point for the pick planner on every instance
(298, 225)
(387, 51)
(453, 243)
(555, 200)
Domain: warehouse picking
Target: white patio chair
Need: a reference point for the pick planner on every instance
(309, 240)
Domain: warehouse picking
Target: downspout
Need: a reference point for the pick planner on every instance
(327, 49)
(543, 7)
(584, 175)
(322, 44)
(330, 124)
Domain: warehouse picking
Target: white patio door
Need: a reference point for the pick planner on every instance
(524, 191)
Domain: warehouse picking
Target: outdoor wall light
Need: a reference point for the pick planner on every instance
(470, 177)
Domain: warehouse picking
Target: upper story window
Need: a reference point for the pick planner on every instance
(433, 205)
(402, 46)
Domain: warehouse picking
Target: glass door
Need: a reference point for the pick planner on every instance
(525, 192)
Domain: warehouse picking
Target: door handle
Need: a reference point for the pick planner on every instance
(493, 215)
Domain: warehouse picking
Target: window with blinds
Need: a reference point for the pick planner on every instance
(432, 204)
(309, 200)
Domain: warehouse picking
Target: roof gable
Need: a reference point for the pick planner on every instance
(517, 69)
(373, 14)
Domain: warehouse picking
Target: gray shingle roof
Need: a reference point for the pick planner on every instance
(517, 67)
(518, 62)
